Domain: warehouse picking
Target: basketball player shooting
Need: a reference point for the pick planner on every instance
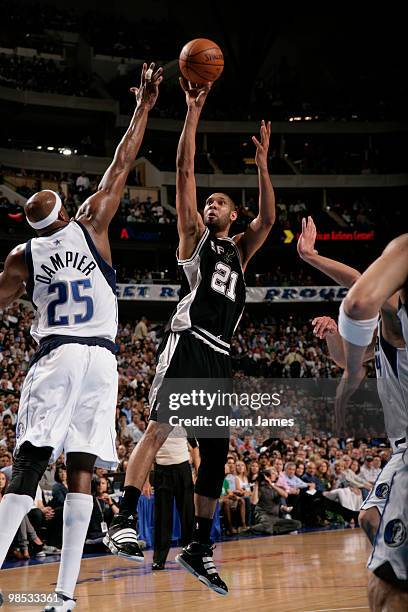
(391, 362)
(197, 343)
(68, 399)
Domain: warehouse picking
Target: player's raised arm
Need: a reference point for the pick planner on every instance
(189, 222)
(13, 277)
(339, 272)
(99, 209)
(359, 310)
(346, 276)
(257, 231)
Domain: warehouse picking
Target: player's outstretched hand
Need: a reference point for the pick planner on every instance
(148, 90)
(262, 146)
(196, 95)
(324, 326)
(307, 239)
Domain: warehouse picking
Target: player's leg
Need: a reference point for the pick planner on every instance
(197, 556)
(373, 506)
(388, 589)
(121, 538)
(369, 521)
(29, 466)
(77, 514)
(386, 597)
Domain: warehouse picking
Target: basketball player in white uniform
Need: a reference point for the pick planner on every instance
(391, 361)
(388, 586)
(68, 399)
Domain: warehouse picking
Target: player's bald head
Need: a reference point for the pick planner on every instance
(41, 205)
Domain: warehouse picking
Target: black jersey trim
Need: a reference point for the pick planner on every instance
(107, 270)
(196, 251)
(49, 343)
(28, 256)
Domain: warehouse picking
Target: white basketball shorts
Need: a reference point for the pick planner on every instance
(68, 402)
(378, 495)
(391, 541)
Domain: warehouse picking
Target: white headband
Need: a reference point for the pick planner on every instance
(53, 216)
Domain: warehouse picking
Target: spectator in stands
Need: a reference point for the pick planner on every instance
(3, 484)
(60, 488)
(233, 503)
(135, 429)
(141, 329)
(104, 509)
(368, 471)
(267, 499)
(83, 183)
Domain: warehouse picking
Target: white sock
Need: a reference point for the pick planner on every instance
(13, 509)
(77, 514)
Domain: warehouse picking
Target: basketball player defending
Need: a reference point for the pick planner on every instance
(197, 344)
(68, 399)
(384, 523)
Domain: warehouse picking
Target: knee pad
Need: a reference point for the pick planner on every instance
(28, 468)
(211, 473)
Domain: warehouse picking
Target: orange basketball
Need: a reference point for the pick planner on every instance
(201, 60)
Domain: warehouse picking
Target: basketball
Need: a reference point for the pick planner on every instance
(201, 60)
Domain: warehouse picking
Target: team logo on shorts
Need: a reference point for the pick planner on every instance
(382, 490)
(395, 533)
(20, 430)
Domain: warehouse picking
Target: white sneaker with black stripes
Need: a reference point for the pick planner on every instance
(197, 559)
(63, 604)
(121, 538)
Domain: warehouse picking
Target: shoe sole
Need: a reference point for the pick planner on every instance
(115, 551)
(202, 579)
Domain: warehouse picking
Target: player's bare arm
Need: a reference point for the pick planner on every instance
(256, 233)
(346, 276)
(342, 274)
(99, 209)
(189, 222)
(325, 328)
(385, 277)
(13, 277)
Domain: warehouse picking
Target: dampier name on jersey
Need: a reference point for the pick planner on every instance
(67, 259)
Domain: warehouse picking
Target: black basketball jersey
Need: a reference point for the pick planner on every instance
(212, 293)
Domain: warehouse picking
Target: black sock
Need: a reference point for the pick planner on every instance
(202, 530)
(128, 503)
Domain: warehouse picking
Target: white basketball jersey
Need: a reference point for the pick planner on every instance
(403, 317)
(72, 287)
(391, 366)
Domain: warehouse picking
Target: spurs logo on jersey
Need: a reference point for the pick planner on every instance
(391, 366)
(212, 294)
(72, 288)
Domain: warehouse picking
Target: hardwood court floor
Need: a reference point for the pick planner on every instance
(311, 572)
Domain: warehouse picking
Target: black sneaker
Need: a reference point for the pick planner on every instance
(157, 566)
(197, 559)
(121, 538)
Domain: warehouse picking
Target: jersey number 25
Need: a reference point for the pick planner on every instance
(67, 292)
